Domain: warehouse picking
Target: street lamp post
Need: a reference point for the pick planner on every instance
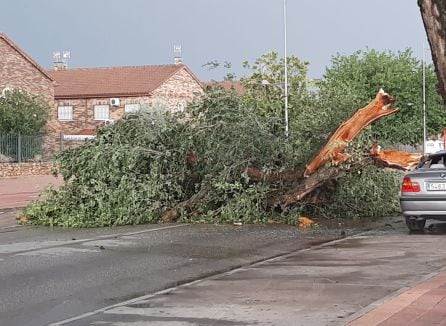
(424, 100)
(286, 68)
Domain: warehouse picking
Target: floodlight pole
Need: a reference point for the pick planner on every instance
(286, 68)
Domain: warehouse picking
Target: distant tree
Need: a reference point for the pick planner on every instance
(22, 112)
(433, 13)
(265, 84)
(352, 80)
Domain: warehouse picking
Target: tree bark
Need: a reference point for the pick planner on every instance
(433, 13)
(332, 151)
(311, 183)
(287, 175)
(187, 205)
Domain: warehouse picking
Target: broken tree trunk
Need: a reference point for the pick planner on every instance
(395, 159)
(309, 184)
(316, 174)
(332, 151)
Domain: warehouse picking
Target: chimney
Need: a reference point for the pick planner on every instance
(177, 54)
(60, 61)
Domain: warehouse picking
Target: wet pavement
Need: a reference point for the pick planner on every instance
(330, 284)
(49, 275)
(218, 275)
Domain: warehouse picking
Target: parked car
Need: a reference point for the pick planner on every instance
(423, 192)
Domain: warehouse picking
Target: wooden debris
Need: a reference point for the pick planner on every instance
(395, 159)
(305, 223)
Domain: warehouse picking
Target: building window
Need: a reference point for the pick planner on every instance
(131, 108)
(65, 112)
(101, 112)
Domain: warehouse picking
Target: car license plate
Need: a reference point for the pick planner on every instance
(436, 186)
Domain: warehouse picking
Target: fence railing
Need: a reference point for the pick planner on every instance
(15, 147)
(410, 148)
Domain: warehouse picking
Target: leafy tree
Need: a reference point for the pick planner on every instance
(22, 112)
(265, 84)
(351, 81)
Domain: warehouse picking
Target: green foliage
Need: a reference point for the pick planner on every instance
(366, 192)
(136, 170)
(22, 112)
(353, 80)
(265, 85)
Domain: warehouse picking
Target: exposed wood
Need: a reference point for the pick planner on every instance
(332, 151)
(433, 13)
(395, 159)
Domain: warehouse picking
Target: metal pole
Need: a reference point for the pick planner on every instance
(286, 68)
(424, 100)
(19, 147)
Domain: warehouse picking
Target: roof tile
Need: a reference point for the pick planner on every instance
(111, 81)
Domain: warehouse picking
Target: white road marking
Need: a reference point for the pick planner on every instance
(16, 248)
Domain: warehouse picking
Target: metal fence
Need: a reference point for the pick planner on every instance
(15, 147)
(409, 148)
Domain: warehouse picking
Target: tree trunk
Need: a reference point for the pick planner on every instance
(433, 13)
(287, 175)
(309, 184)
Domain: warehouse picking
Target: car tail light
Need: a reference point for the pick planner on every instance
(409, 186)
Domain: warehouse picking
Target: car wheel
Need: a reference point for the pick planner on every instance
(415, 224)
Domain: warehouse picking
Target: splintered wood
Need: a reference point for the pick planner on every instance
(380, 107)
(395, 159)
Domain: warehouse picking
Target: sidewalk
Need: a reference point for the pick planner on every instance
(333, 284)
(19, 191)
(424, 304)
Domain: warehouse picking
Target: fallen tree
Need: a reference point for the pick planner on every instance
(225, 164)
(315, 174)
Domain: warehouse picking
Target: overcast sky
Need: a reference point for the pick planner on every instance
(137, 32)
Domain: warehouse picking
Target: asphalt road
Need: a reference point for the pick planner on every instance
(330, 284)
(48, 275)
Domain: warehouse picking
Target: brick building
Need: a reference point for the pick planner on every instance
(19, 71)
(85, 98)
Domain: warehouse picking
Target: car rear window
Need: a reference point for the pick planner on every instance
(433, 162)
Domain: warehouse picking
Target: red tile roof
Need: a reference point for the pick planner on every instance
(24, 55)
(112, 81)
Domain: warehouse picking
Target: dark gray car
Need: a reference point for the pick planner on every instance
(423, 192)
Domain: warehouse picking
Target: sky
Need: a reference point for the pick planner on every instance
(103, 33)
